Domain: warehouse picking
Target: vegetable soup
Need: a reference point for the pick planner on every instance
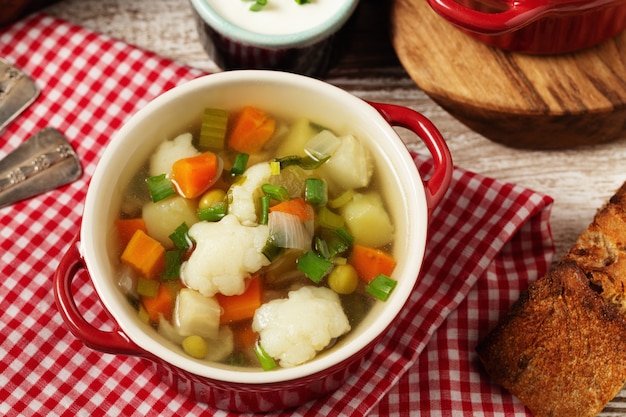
(255, 241)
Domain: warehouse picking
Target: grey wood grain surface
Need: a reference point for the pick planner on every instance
(580, 180)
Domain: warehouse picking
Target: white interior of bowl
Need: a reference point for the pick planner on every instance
(282, 40)
(286, 95)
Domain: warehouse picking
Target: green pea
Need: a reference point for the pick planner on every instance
(343, 279)
(211, 197)
(195, 346)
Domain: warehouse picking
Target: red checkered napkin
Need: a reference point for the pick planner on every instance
(487, 240)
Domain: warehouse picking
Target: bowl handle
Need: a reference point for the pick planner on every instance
(491, 23)
(438, 183)
(114, 341)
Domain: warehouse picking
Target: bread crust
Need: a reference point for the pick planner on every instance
(601, 251)
(561, 348)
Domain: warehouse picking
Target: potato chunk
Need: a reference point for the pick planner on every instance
(367, 220)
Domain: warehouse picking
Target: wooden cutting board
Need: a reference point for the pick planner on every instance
(520, 100)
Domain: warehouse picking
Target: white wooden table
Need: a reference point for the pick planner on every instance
(579, 180)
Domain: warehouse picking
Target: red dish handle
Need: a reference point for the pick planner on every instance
(437, 185)
(114, 341)
(519, 13)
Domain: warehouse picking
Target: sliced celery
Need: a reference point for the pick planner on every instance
(341, 200)
(328, 219)
(147, 287)
(213, 129)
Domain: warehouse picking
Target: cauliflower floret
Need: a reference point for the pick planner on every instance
(244, 196)
(171, 151)
(294, 329)
(226, 254)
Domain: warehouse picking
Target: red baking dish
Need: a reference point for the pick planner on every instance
(223, 385)
(536, 26)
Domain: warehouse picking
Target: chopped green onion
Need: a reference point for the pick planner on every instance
(160, 187)
(315, 191)
(239, 166)
(321, 247)
(265, 209)
(381, 287)
(337, 245)
(147, 287)
(341, 200)
(258, 5)
(271, 250)
(305, 162)
(330, 243)
(214, 213)
(173, 259)
(328, 219)
(267, 362)
(277, 192)
(180, 237)
(344, 234)
(213, 129)
(314, 266)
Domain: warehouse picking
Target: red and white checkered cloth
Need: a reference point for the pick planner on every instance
(487, 241)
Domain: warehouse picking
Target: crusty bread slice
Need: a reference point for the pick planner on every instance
(561, 349)
(601, 251)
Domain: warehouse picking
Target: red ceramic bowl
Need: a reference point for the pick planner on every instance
(536, 26)
(180, 109)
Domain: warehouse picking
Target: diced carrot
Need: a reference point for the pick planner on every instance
(145, 254)
(295, 206)
(194, 175)
(161, 304)
(126, 228)
(244, 336)
(251, 130)
(242, 306)
(369, 262)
